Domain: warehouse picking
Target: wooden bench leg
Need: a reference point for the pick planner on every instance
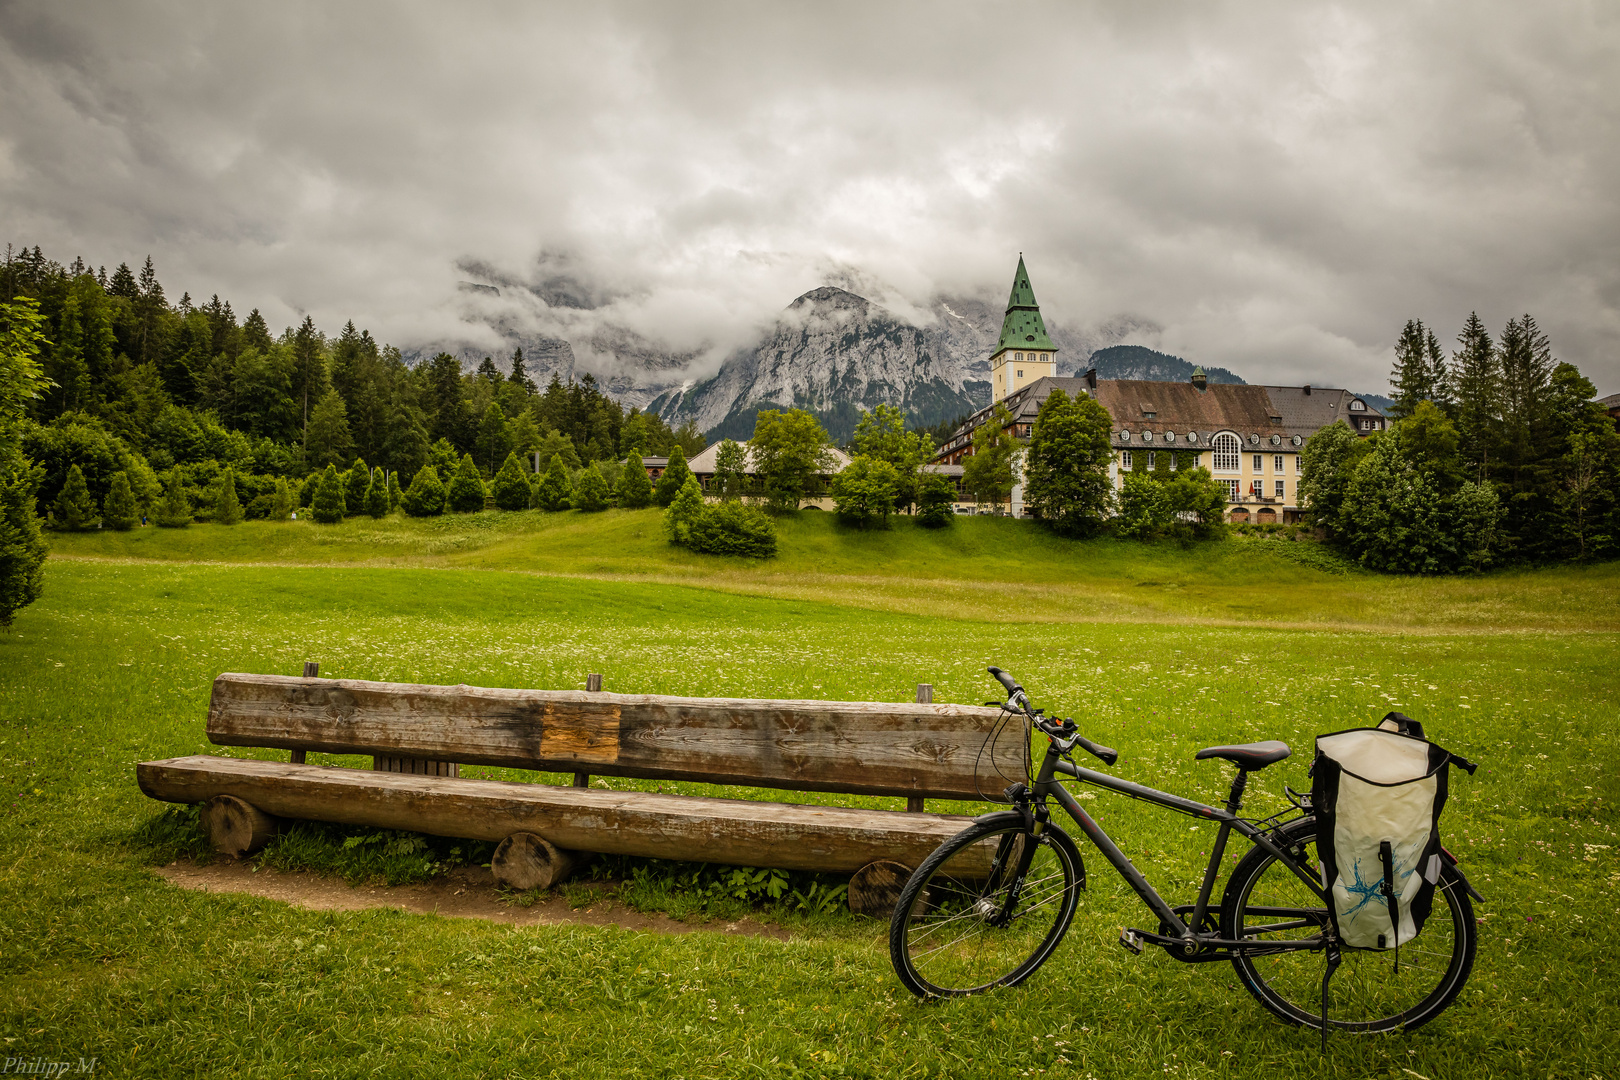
(235, 828)
(526, 861)
(875, 888)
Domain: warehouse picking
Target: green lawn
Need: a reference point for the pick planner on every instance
(1156, 651)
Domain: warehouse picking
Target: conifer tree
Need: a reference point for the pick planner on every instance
(356, 482)
(329, 505)
(555, 491)
(466, 494)
(1477, 381)
(376, 502)
(683, 510)
(1412, 378)
(175, 510)
(635, 490)
(425, 496)
(74, 509)
(282, 507)
(328, 438)
(493, 444)
(591, 493)
(394, 494)
(306, 490)
(119, 510)
(510, 486)
(227, 507)
(674, 478)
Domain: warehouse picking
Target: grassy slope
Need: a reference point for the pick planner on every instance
(101, 959)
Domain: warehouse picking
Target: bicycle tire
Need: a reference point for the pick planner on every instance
(1373, 990)
(964, 885)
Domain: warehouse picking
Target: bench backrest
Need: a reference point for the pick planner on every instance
(860, 747)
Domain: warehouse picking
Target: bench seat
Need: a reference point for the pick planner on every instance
(684, 827)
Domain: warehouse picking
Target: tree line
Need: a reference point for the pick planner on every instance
(1498, 454)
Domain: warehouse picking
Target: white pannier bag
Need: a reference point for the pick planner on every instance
(1378, 793)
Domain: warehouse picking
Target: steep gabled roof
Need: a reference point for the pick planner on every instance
(1307, 413)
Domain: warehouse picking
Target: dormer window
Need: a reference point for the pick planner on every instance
(1358, 406)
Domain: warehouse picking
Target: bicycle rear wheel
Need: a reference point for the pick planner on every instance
(967, 920)
(1371, 991)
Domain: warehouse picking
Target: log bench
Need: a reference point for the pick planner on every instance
(419, 735)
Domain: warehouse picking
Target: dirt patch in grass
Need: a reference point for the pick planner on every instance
(466, 893)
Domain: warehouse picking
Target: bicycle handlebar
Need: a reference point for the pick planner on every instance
(1006, 680)
(1062, 731)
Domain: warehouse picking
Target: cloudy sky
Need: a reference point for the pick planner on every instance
(1278, 186)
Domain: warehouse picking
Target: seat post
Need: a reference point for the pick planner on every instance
(1239, 782)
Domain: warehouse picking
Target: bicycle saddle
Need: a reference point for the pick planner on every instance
(1248, 756)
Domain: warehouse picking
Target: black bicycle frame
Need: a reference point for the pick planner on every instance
(1193, 940)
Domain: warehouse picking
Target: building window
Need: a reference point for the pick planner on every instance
(1231, 489)
(1125, 460)
(1020, 373)
(1299, 464)
(1153, 459)
(1226, 454)
(1277, 463)
(1357, 406)
(1018, 356)
(1258, 467)
(1172, 462)
(1279, 489)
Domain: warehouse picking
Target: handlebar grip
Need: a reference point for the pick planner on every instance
(1103, 753)
(1006, 680)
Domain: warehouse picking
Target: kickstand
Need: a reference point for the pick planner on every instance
(1332, 966)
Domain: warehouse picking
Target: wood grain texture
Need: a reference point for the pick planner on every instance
(875, 888)
(236, 828)
(906, 749)
(734, 831)
(525, 861)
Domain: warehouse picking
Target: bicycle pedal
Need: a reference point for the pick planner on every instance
(1129, 940)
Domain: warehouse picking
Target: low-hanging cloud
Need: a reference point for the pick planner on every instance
(1276, 187)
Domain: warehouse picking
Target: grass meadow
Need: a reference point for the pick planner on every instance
(1155, 650)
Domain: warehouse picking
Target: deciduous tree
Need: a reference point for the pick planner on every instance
(1066, 481)
(789, 451)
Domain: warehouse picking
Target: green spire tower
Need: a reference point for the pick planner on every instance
(1024, 353)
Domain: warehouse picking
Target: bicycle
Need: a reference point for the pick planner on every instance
(990, 905)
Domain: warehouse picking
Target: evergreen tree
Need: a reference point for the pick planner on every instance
(306, 490)
(283, 505)
(328, 439)
(554, 443)
(466, 494)
(591, 493)
(175, 511)
(555, 491)
(452, 421)
(520, 376)
(864, 493)
(493, 445)
(356, 482)
(1477, 381)
(329, 506)
(730, 470)
(635, 489)
(523, 435)
(489, 372)
(74, 509)
(376, 500)
(22, 382)
(119, 511)
(511, 485)
(1066, 480)
(936, 500)
(227, 507)
(425, 496)
(675, 476)
(394, 494)
(683, 510)
(1412, 378)
(987, 474)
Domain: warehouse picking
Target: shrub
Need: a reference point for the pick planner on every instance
(74, 509)
(591, 491)
(283, 504)
(306, 490)
(683, 510)
(511, 485)
(355, 483)
(466, 494)
(119, 512)
(227, 507)
(731, 528)
(864, 493)
(1144, 510)
(377, 495)
(395, 496)
(425, 496)
(329, 503)
(635, 489)
(675, 476)
(936, 501)
(175, 510)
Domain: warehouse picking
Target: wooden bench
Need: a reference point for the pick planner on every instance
(419, 735)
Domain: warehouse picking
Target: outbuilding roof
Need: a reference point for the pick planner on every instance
(1308, 409)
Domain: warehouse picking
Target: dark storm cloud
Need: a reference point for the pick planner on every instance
(1277, 186)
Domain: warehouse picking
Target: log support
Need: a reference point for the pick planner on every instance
(526, 861)
(236, 828)
(875, 888)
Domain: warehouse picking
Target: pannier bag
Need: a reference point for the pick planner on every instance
(1378, 793)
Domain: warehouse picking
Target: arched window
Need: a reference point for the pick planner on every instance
(1357, 406)
(1226, 454)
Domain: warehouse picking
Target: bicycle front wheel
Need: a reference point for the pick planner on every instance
(1373, 990)
(985, 909)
